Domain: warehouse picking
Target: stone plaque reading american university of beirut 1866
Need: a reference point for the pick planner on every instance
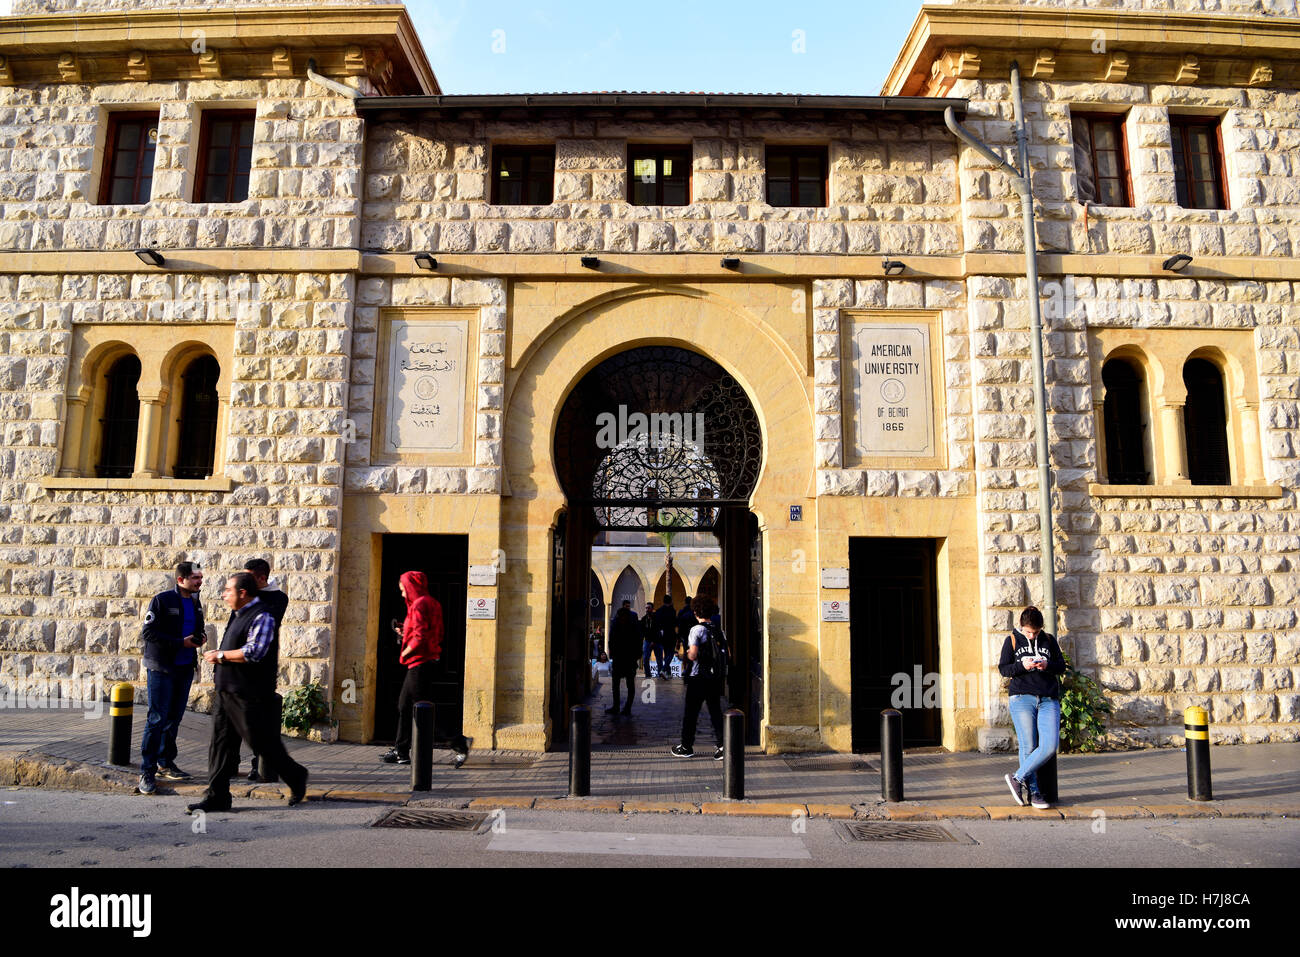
(426, 386)
(891, 389)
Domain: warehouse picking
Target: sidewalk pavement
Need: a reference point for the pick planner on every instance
(632, 771)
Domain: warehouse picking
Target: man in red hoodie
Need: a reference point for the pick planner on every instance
(421, 635)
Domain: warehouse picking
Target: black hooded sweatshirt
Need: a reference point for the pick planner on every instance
(1016, 648)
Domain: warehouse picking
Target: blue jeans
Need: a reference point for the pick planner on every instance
(658, 649)
(1038, 730)
(168, 695)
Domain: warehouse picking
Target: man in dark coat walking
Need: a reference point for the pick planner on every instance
(241, 665)
(276, 602)
(173, 629)
(624, 652)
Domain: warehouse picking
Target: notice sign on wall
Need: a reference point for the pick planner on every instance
(481, 608)
(835, 611)
(892, 390)
(426, 386)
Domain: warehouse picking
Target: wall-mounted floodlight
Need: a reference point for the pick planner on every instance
(426, 261)
(151, 257)
(892, 267)
(730, 262)
(591, 262)
(1177, 262)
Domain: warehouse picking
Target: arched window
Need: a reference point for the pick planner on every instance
(1125, 444)
(198, 419)
(121, 419)
(1206, 422)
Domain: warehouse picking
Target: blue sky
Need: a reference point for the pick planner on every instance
(743, 46)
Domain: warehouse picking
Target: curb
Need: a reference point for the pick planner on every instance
(38, 770)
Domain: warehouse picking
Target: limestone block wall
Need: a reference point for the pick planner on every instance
(487, 356)
(1169, 600)
(1261, 137)
(78, 565)
(893, 189)
(303, 192)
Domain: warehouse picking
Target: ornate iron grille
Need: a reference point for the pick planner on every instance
(658, 437)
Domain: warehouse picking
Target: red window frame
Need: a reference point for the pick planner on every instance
(1124, 180)
(235, 170)
(1190, 189)
(141, 177)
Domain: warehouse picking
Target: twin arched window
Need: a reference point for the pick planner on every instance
(123, 434)
(1126, 420)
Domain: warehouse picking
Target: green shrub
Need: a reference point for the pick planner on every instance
(1083, 710)
(304, 706)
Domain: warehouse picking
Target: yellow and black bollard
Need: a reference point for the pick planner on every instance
(119, 723)
(1196, 731)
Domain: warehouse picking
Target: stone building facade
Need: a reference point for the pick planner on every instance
(371, 240)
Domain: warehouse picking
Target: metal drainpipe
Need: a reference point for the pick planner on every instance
(332, 85)
(1024, 186)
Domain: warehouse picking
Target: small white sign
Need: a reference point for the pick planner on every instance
(481, 608)
(835, 611)
(835, 578)
(482, 574)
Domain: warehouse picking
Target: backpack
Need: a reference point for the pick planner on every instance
(714, 658)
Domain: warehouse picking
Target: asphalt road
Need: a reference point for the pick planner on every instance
(44, 828)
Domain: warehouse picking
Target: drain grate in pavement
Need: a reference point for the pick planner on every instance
(431, 819)
(876, 831)
(827, 764)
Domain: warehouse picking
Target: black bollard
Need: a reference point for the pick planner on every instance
(891, 755)
(422, 747)
(580, 751)
(733, 754)
(1047, 785)
(275, 719)
(120, 714)
(1196, 732)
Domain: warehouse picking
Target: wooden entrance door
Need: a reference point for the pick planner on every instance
(893, 631)
(444, 559)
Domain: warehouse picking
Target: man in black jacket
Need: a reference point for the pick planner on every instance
(666, 624)
(173, 629)
(241, 665)
(276, 602)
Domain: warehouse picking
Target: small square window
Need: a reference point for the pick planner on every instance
(225, 156)
(523, 175)
(128, 167)
(796, 175)
(660, 176)
(1198, 163)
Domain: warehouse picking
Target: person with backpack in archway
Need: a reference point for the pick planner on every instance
(704, 666)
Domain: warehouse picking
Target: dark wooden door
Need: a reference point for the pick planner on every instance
(559, 704)
(893, 631)
(444, 559)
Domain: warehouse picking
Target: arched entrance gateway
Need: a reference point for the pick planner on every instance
(589, 367)
(657, 439)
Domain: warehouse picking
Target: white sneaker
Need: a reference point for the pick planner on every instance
(1013, 783)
